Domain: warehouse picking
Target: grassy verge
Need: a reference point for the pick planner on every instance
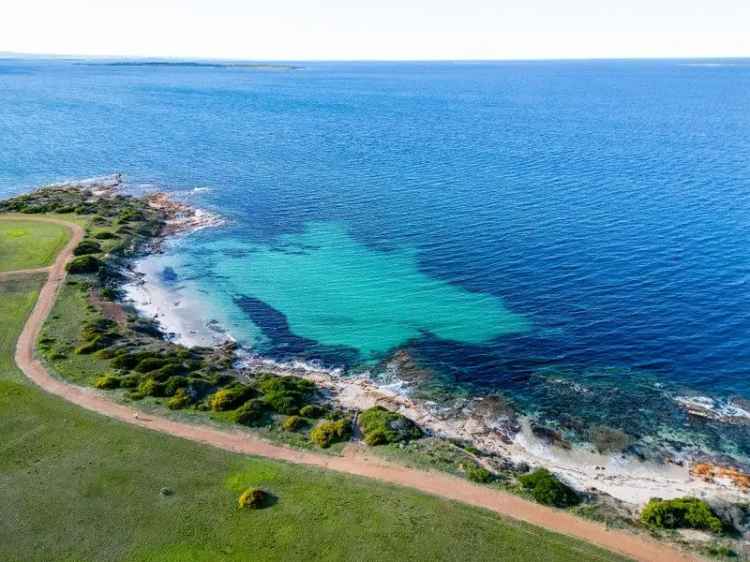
(26, 244)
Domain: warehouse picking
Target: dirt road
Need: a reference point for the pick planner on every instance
(357, 463)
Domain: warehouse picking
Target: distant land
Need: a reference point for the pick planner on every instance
(195, 64)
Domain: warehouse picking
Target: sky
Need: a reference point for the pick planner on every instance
(378, 29)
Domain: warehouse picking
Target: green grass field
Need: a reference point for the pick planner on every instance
(75, 486)
(25, 244)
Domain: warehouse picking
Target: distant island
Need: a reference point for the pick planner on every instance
(195, 64)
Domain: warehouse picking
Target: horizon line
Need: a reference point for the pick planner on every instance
(31, 55)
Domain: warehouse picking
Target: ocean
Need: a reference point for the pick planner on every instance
(573, 236)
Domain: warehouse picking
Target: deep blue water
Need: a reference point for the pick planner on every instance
(607, 203)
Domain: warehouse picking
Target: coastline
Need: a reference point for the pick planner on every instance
(507, 438)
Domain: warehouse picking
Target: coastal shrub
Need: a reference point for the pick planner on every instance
(181, 399)
(149, 364)
(107, 382)
(129, 215)
(381, 426)
(327, 433)
(173, 384)
(130, 381)
(251, 412)
(150, 387)
(125, 361)
(545, 488)
(691, 513)
(231, 397)
(285, 395)
(312, 411)
(293, 423)
(106, 235)
(97, 327)
(253, 498)
(167, 371)
(87, 247)
(106, 353)
(96, 344)
(479, 474)
(84, 264)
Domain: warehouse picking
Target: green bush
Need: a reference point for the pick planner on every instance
(547, 489)
(150, 387)
(230, 398)
(691, 513)
(180, 400)
(312, 411)
(253, 498)
(251, 412)
(130, 381)
(107, 382)
(87, 247)
(293, 423)
(125, 361)
(327, 433)
(106, 235)
(173, 384)
(150, 364)
(479, 474)
(84, 264)
(381, 426)
(285, 395)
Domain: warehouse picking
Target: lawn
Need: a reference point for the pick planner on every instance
(26, 244)
(78, 486)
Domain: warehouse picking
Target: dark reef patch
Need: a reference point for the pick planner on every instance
(284, 344)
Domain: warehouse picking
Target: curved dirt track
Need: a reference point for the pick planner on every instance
(434, 483)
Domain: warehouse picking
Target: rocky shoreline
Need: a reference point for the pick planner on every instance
(487, 423)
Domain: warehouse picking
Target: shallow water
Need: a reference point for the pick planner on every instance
(499, 219)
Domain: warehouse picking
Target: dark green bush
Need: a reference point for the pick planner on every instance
(150, 387)
(231, 397)
(691, 513)
(126, 361)
(327, 433)
(87, 247)
(253, 498)
(293, 423)
(285, 395)
(173, 384)
(149, 364)
(130, 381)
(251, 412)
(547, 489)
(479, 474)
(381, 426)
(181, 399)
(107, 382)
(84, 264)
(106, 235)
(312, 411)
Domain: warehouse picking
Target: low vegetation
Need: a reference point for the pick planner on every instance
(381, 427)
(680, 513)
(328, 432)
(545, 488)
(253, 498)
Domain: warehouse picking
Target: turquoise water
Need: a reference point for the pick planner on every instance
(508, 224)
(338, 292)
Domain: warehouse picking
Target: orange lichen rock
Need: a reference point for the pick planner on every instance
(709, 472)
